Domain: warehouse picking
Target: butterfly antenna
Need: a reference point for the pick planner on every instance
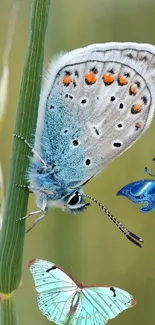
(129, 234)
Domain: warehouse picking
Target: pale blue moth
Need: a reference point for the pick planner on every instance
(95, 103)
(63, 300)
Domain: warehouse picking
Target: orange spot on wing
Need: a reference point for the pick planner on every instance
(67, 80)
(90, 78)
(122, 81)
(136, 108)
(108, 79)
(132, 90)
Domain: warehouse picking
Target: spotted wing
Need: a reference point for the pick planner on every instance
(99, 304)
(142, 191)
(56, 290)
(95, 103)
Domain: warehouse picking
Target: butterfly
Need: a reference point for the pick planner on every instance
(95, 103)
(141, 191)
(62, 299)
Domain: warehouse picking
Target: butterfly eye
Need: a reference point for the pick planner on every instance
(75, 198)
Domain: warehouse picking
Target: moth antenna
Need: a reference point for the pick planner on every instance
(147, 172)
(129, 234)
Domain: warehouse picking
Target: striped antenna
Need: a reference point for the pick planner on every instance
(129, 234)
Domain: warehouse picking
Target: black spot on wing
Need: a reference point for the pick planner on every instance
(130, 56)
(121, 105)
(88, 162)
(51, 268)
(137, 83)
(94, 69)
(112, 98)
(83, 101)
(117, 144)
(96, 130)
(111, 71)
(76, 73)
(119, 125)
(127, 74)
(68, 96)
(144, 99)
(75, 142)
(113, 290)
(68, 73)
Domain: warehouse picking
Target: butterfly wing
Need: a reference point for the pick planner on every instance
(142, 191)
(99, 304)
(61, 300)
(56, 290)
(95, 103)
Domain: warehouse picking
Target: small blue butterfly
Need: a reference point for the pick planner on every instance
(141, 191)
(95, 103)
(63, 300)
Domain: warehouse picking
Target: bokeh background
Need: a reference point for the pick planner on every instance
(88, 245)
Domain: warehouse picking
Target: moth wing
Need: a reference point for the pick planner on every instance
(99, 304)
(56, 290)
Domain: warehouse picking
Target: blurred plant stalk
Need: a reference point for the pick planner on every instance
(4, 88)
(12, 232)
(4, 80)
(1, 196)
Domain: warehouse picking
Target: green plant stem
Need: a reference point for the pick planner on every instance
(8, 313)
(13, 232)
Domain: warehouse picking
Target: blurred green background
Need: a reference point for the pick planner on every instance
(88, 245)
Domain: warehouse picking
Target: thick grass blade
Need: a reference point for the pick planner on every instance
(12, 233)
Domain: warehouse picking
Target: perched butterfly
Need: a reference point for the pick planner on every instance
(95, 103)
(62, 299)
(141, 191)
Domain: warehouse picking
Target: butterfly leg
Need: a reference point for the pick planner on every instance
(31, 147)
(35, 222)
(43, 209)
(31, 214)
(22, 186)
(31, 189)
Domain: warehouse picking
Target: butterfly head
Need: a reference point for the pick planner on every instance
(75, 202)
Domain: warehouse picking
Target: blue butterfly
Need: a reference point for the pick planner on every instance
(141, 191)
(63, 300)
(95, 103)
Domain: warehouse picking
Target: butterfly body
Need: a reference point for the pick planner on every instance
(63, 300)
(95, 103)
(141, 191)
